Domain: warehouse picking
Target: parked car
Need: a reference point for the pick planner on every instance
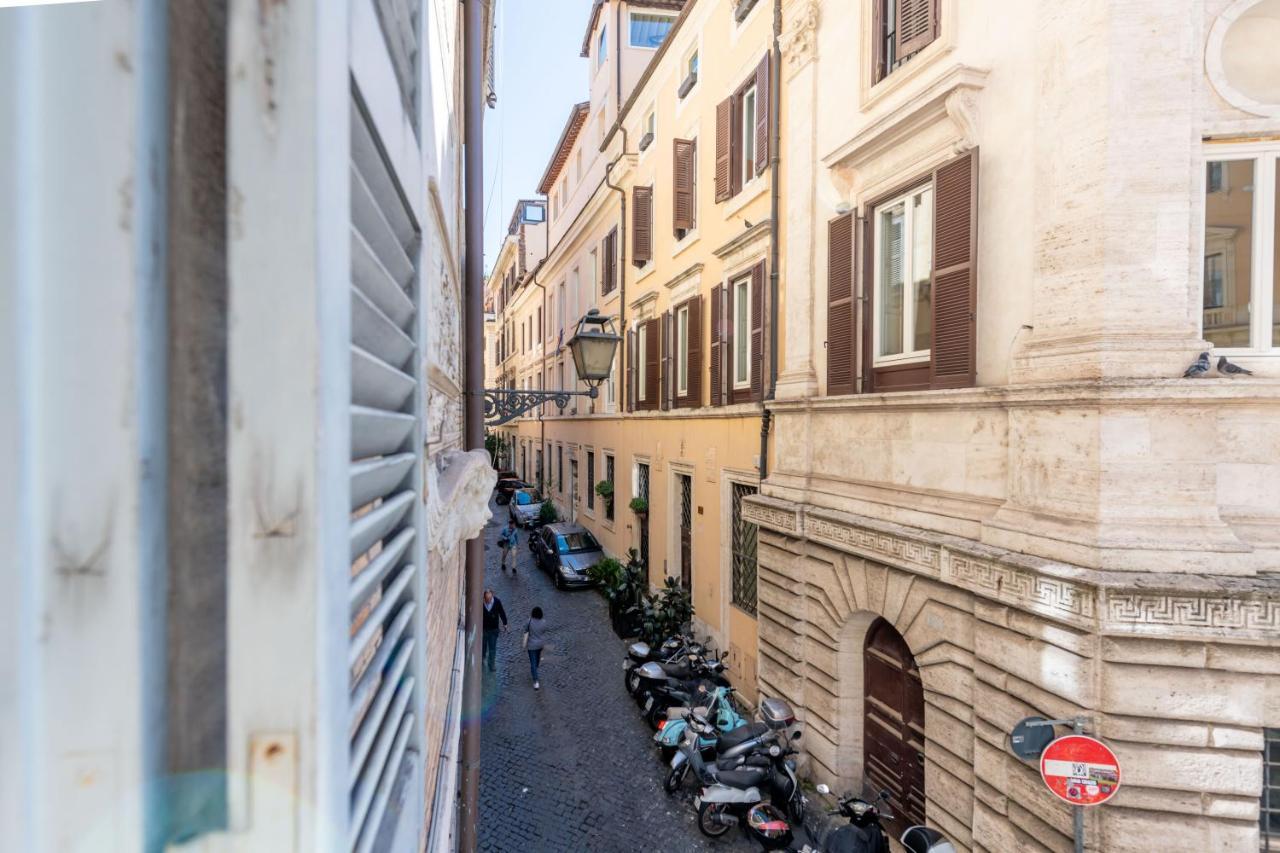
(526, 507)
(506, 487)
(566, 551)
(508, 475)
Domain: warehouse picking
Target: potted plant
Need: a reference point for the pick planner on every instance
(547, 514)
(604, 489)
(640, 506)
(665, 613)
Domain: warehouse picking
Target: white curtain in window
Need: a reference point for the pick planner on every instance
(649, 30)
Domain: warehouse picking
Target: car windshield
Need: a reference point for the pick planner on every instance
(526, 498)
(567, 543)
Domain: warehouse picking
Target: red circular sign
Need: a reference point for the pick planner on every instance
(1080, 770)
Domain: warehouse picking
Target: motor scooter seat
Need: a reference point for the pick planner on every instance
(733, 737)
(746, 777)
(850, 839)
(738, 762)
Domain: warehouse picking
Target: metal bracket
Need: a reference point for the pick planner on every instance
(506, 404)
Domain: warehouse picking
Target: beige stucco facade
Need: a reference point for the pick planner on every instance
(1079, 531)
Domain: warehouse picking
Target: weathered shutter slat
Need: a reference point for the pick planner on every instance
(717, 346)
(724, 149)
(652, 365)
(840, 336)
(757, 331)
(664, 401)
(683, 177)
(762, 114)
(693, 397)
(916, 25)
(631, 372)
(641, 225)
(955, 284)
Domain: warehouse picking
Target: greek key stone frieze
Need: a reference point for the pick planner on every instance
(1190, 611)
(918, 555)
(1021, 588)
(765, 516)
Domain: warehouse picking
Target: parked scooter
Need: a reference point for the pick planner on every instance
(707, 763)
(865, 832)
(661, 690)
(724, 803)
(769, 827)
(720, 710)
(671, 651)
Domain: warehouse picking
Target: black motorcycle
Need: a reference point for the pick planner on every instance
(684, 686)
(865, 831)
(726, 802)
(671, 651)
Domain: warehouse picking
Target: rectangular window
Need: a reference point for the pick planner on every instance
(1242, 248)
(742, 333)
(744, 545)
(591, 479)
(902, 274)
(602, 47)
(1269, 814)
(903, 29)
(648, 30)
(682, 351)
(690, 75)
(560, 467)
(593, 269)
(748, 147)
(642, 355)
(611, 388)
(650, 128)
(608, 475)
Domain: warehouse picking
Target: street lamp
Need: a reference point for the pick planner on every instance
(593, 345)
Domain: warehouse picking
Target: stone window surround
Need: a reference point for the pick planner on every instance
(1216, 71)
(1118, 603)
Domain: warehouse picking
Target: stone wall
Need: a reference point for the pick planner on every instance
(1178, 676)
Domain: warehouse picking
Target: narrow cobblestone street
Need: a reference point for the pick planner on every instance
(570, 767)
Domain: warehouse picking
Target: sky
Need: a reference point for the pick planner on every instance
(538, 76)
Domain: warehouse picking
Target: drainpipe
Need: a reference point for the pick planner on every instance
(473, 329)
(622, 250)
(775, 125)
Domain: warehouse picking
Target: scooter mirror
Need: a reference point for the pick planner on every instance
(823, 789)
(795, 735)
(885, 795)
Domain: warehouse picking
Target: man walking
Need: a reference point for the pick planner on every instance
(495, 620)
(507, 541)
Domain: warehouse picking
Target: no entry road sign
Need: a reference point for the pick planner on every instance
(1080, 770)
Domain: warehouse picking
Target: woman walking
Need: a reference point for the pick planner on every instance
(535, 637)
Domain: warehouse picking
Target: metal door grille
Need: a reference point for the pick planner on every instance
(745, 541)
(384, 613)
(686, 530)
(591, 479)
(642, 489)
(1270, 811)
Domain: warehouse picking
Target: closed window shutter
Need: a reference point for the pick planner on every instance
(631, 372)
(917, 25)
(762, 114)
(955, 283)
(683, 176)
(641, 225)
(840, 336)
(757, 331)
(665, 399)
(717, 346)
(693, 397)
(724, 149)
(652, 365)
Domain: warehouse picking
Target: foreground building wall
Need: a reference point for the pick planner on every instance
(1025, 513)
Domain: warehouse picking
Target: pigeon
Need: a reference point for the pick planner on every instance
(1226, 368)
(1199, 368)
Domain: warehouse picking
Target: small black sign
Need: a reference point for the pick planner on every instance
(1028, 741)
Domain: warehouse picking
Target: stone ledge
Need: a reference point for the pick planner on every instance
(1196, 607)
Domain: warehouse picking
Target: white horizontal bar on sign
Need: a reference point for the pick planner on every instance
(1075, 769)
(376, 384)
(379, 615)
(378, 522)
(387, 752)
(373, 279)
(376, 432)
(373, 331)
(394, 694)
(374, 478)
(368, 682)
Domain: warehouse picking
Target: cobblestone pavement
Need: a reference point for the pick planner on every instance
(571, 767)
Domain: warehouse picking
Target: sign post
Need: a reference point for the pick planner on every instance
(1079, 770)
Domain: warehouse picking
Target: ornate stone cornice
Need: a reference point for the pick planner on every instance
(799, 38)
(1194, 607)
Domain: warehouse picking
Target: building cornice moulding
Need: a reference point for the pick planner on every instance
(1193, 607)
(757, 231)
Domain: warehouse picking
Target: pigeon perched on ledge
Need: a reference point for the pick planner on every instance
(1199, 368)
(1226, 368)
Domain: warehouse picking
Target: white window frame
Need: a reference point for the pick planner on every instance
(741, 332)
(682, 351)
(642, 342)
(1262, 261)
(648, 13)
(908, 282)
(748, 142)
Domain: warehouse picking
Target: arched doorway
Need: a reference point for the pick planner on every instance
(893, 723)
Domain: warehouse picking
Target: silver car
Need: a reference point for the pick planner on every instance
(526, 507)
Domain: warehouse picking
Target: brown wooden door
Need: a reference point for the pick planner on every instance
(686, 531)
(894, 724)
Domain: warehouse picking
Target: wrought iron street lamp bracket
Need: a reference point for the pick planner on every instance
(506, 404)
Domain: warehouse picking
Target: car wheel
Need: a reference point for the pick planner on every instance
(559, 582)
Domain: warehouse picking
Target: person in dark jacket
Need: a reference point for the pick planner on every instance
(495, 621)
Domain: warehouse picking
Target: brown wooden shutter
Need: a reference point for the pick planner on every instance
(955, 284)
(652, 365)
(717, 346)
(641, 225)
(757, 331)
(762, 114)
(840, 335)
(664, 401)
(683, 177)
(917, 25)
(606, 264)
(631, 372)
(693, 398)
(724, 149)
